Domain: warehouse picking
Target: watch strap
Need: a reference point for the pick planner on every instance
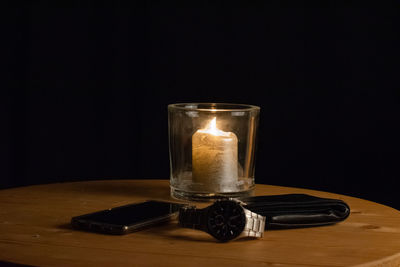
(255, 224)
(191, 217)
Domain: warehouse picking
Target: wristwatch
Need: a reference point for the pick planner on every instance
(224, 220)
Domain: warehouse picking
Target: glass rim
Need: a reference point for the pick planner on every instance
(213, 107)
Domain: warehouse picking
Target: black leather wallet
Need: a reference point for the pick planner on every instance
(297, 210)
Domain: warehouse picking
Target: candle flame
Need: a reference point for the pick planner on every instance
(211, 128)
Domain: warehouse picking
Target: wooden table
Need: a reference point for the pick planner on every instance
(35, 230)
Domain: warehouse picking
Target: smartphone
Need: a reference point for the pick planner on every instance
(128, 218)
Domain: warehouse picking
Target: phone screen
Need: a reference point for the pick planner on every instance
(127, 218)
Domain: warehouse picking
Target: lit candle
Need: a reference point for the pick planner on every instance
(215, 158)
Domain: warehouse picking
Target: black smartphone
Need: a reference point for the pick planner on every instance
(128, 218)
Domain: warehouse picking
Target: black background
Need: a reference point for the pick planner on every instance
(85, 89)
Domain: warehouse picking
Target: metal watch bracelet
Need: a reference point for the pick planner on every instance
(191, 217)
(255, 224)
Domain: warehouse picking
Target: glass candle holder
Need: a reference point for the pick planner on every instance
(212, 149)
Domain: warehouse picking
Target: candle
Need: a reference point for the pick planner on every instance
(215, 158)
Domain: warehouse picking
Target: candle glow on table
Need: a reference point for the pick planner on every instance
(215, 158)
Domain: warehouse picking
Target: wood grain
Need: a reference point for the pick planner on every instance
(35, 230)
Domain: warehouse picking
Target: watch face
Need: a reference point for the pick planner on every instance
(226, 220)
